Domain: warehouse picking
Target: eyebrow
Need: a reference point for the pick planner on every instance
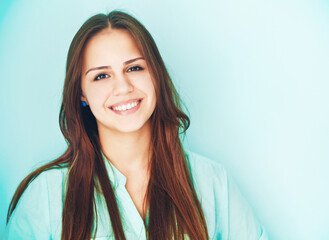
(104, 67)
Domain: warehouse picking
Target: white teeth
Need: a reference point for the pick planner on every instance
(126, 107)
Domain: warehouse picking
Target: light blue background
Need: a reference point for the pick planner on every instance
(253, 74)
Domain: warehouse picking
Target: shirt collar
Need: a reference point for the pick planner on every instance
(116, 177)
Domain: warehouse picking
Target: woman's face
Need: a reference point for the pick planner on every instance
(116, 82)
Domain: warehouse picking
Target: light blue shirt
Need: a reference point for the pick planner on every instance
(38, 214)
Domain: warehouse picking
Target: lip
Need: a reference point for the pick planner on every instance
(129, 111)
(125, 102)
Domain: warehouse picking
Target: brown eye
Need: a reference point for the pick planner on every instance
(101, 76)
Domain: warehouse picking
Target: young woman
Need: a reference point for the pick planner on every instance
(125, 174)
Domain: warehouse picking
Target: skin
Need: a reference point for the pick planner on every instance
(125, 139)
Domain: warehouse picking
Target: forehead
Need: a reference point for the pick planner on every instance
(110, 46)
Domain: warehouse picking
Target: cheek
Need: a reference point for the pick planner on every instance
(151, 95)
(146, 85)
(97, 94)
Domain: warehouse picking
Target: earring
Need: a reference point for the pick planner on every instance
(83, 104)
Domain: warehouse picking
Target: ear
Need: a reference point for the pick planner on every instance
(83, 98)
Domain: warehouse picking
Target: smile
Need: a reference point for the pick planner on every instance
(127, 108)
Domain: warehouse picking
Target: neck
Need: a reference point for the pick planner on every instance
(128, 152)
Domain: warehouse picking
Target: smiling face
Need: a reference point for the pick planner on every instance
(116, 82)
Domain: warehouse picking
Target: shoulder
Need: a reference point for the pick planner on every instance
(205, 169)
(49, 180)
(206, 173)
(48, 185)
(47, 188)
(54, 177)
(196, 159)
(227, 213)
(38, 209)
(210, 183)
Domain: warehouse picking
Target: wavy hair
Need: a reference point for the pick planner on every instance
(174, 209)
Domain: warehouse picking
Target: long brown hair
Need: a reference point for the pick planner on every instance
(174, 209)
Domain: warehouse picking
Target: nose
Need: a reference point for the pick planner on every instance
(122, 85)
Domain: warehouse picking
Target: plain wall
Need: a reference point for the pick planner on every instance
(253, 74)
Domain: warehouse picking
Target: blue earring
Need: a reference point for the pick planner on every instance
(83, 104)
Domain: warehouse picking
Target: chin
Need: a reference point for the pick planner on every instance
(125, 126)
(130, 128)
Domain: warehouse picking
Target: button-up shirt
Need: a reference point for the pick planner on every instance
(38, 214)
